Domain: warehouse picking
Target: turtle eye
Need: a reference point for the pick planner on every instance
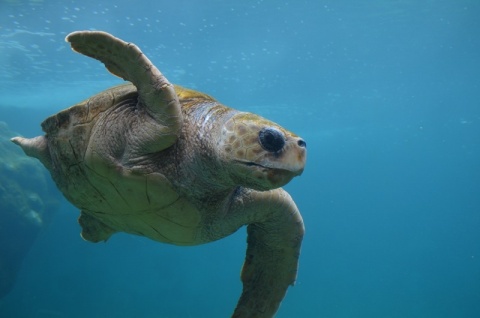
(271, 139)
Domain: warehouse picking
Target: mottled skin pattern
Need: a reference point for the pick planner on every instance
(174, 165)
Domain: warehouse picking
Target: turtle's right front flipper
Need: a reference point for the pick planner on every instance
(275, 234)
(157, 98)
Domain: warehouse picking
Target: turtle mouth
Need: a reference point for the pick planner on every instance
(252, 164)
(267, 168)
(260, 177)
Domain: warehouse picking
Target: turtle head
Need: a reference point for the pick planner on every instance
(261, 154)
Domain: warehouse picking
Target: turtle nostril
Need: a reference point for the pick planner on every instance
(302, 143)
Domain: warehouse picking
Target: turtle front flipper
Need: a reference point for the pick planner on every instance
(156, 96)
(274, 238)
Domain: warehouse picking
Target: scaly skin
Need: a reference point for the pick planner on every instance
(176, 166)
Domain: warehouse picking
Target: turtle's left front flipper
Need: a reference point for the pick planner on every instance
(159, 112)
(274, 239)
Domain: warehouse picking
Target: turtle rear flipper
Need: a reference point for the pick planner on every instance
(94, 230)
(35, 147)
(157, 98)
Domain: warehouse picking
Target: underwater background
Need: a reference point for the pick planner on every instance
(387, 95)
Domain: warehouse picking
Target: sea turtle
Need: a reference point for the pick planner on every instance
(174, 165)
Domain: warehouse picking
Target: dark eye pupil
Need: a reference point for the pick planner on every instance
(271, 139)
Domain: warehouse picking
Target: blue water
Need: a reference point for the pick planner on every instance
(386, 94)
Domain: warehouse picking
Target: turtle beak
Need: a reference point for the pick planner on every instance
(296, 155)
(291, 158)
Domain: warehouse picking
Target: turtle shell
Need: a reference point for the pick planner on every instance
(68, 133)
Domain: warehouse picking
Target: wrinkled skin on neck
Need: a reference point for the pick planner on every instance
(200, 171)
